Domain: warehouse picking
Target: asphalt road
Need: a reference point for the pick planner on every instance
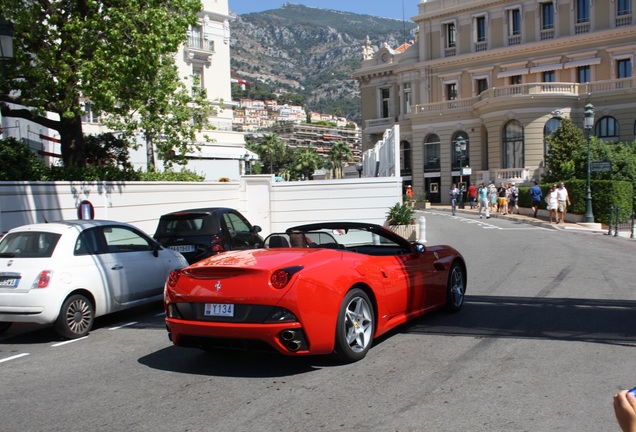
(546, 337)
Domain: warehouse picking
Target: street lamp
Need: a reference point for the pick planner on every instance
(460, 148)
(589, 125)
(246, 159)
(359, 169)
(6, 40)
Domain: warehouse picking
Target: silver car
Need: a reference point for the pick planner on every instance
(68, 273)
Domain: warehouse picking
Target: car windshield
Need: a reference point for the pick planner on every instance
(192, 224)
(28, 244)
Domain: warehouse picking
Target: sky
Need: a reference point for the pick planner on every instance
(378, 8)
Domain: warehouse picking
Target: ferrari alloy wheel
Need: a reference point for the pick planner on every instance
(76, 317)
(355, 327)
(456, 287)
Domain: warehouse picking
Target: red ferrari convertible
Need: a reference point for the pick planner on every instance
(315, 289)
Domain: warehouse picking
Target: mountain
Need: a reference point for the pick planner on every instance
(311, 52)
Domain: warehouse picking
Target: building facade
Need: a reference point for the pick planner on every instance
(486, 81)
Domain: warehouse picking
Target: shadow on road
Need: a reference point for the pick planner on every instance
(567, 319)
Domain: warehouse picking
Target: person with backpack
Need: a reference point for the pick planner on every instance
(513, 199)
(454, 194)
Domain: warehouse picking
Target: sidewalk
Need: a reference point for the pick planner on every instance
(525, 216)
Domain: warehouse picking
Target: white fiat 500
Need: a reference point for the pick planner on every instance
(68, 273)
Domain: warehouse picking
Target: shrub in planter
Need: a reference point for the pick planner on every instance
(400, 214)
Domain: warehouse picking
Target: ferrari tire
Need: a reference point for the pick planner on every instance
(4, 326)
(76, 317)
(456, 289)
(355, 326)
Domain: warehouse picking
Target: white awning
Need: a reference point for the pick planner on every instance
(547, 67)
(512, 72)
(219, 151)
(584, 62)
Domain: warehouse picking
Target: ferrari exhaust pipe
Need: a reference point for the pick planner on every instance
(288, 335)
(293, 346)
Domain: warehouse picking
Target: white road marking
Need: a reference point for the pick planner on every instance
(124, 325)
(14, 357)
(68, 342)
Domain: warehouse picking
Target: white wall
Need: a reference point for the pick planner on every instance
(274, 206)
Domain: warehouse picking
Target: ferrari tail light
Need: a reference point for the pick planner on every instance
(281, 277)
(216, 244)
(43, 279)
(173, 278)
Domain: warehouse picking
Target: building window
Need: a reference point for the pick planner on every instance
(623, 7)
(385, 95)
(547, 21)
(548, 77)
(197, 79)
(624, 68)
(549, 128)
(479, 33)
(407, 99)
(195, 38)
(406, 166)
(432, 154)
(513, 145)
(451, 35)
(583, 74)
(582, 11)
(607, 128)
(515, 80)
(482, 85)
(89, 116)
(514, 27)
(451, 91)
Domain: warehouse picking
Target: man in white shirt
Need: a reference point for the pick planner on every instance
(563, 202)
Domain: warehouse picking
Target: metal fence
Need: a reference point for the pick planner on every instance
(618, 225)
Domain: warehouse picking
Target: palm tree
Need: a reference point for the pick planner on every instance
(338, 152)
(269, 147)
(306, 161)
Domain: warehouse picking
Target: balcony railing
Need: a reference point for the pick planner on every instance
(624, 20)
(583, 27)
(533, 89)
(547, 34)
(514, 40)
(481, 46)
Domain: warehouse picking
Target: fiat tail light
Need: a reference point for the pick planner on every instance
(43, 279)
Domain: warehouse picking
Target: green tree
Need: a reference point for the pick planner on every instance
(107, 53)
(18, 162)
(338, 153)
(269, 149)
(565, 146)
(306, 161)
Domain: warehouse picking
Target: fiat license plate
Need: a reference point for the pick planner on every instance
(219, 309)
(9, 282)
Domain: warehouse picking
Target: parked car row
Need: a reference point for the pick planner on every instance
(67, 273)
(324, 288)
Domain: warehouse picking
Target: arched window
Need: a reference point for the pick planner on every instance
(431, 153)
(406, 165)
(607, 128)
(512, 145)
(460, 156)
(549, 128)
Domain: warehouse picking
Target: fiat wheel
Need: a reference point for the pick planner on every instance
(355, 327)
(76, 317)
(456, 288)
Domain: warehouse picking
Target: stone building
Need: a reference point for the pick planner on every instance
(494, 78)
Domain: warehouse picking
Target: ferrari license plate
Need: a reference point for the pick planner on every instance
(219, 309)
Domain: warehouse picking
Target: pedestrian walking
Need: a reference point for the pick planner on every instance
(472, 195)
(502, 199)
(492, 191)
(564, 202)
(482, 194)
(535, 197)
(454, 194)
(513, 198)
(553, 203)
